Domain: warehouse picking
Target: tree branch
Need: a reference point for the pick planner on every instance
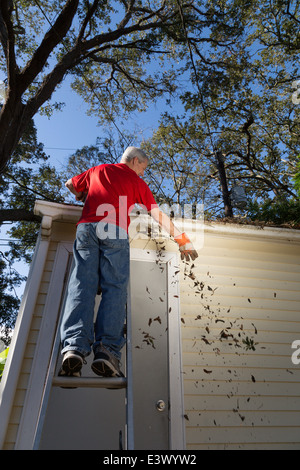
(127, 16)
(8, 40)
(15, 114)
(88, 17)
(18, 215)
(37, 193)
(54, 36)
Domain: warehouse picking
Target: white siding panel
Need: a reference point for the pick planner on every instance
(235, 397)
(24, 376)
(240, 404)
(252, 437)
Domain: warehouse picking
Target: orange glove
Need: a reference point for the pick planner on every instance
(186, 247)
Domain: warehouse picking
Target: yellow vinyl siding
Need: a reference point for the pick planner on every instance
(236, 398)
(247, 286)
(29, 352)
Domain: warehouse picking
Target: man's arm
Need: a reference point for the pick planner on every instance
(165, 222)
(79, 196)
(185, 246)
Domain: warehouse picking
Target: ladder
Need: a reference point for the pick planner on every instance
(126, 382)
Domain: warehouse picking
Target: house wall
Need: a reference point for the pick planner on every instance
(245, 284)
(60, 232)
(245, 287)
(28, 356)
(17, 372)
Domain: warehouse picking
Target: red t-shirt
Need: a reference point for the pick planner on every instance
(112, 189)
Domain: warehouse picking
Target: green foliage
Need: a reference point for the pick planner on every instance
(107, 150)
(178, 171)
(297, 178)
(9, 280)
(230, 64)
(3, 357)
(27, 177)
(239, 101)
(277, 211)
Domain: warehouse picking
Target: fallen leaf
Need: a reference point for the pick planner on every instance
(205, 340)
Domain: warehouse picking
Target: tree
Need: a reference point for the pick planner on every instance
(105, 150)
(297, 178)
(237, 111)
(9, 280)
(176, 172)
(107, 46)
(240, 105)
(27, 176)
(235, 65)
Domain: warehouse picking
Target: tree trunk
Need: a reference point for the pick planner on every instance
(224, 186)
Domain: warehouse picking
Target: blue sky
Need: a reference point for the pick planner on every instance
(71, 128)
(66, 130)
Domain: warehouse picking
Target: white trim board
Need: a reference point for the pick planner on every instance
(176, 394)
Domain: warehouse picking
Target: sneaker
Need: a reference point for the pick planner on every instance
(71, 364)
(105, 363)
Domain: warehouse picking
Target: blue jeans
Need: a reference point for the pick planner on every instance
(101, 257)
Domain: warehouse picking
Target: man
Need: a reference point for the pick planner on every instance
(101, 257)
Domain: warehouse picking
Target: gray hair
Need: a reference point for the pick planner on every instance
(132, 152)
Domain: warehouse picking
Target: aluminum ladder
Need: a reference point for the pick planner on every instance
(93, 382)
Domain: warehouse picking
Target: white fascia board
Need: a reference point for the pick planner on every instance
(58, 211)
(254, 232)
(71, 213)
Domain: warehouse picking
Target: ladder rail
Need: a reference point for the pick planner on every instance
(129, 375)
(47, 390)
(91, 382)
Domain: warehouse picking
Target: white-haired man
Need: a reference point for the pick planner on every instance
(101, 257)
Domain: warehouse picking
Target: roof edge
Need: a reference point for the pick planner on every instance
(72, 212)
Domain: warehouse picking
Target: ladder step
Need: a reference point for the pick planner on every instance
(90, 382)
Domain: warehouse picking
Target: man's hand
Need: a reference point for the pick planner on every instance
(78, 196)
(186, 247)
(81, 197)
